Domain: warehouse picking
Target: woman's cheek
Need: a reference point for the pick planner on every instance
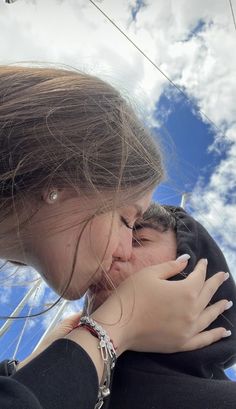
(100, 233)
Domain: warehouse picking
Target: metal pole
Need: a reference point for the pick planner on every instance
(19, 307)
(183, 200)
(53, 322)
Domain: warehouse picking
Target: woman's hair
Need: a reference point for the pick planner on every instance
(63, 128)
(66, 128)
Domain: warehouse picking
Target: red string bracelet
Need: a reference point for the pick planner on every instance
(92, 331)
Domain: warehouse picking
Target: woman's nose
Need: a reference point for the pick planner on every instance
(124, 248)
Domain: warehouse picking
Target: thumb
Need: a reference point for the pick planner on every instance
(173, 267)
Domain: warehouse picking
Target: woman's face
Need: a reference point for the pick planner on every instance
(55, 231)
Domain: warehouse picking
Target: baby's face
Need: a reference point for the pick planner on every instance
(150, 247)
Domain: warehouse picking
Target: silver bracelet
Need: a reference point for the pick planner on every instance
(108, 355)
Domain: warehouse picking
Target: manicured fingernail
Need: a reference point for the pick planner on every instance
(229, 305)
(227, 334)
(183, 258)
(226, 276)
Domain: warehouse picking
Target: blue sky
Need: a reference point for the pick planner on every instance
(193, 46)
(185, 141)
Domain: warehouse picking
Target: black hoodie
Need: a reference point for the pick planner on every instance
(184, 380)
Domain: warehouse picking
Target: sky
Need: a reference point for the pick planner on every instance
(192, 43)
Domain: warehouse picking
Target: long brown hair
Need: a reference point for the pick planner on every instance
(64, 128)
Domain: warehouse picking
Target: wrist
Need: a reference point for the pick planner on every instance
(112, 320)
(90, 344)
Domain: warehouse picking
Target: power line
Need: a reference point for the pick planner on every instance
(135, 45)
(156, 66)
(232, 11)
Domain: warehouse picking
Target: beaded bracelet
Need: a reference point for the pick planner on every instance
(108, 354)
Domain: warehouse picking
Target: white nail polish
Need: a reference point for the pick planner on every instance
(228, 305)
(227, 334)
(226, 276)
(183, 258)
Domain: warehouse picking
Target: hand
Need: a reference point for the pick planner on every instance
(163, 316)
(62, 329)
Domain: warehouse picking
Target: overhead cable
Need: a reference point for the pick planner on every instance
(156, 66)
(232, 12)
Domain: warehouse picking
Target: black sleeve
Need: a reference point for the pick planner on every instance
(15, 395)
(63, 376)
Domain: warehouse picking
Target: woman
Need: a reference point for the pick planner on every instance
(77, 170)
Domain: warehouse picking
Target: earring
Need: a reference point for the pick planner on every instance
(53, 196)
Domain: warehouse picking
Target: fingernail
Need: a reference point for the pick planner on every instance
(183, 258)
(205, 261)
(229, 305)
(226, 276)
(227, 334)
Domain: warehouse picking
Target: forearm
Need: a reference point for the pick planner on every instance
(90, 345)
(65, 372)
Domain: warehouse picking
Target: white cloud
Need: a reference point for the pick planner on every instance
(215, 205)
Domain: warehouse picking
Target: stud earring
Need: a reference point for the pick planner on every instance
(53, 196)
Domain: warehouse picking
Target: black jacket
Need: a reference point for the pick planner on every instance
(62, 377)
(186, 380)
